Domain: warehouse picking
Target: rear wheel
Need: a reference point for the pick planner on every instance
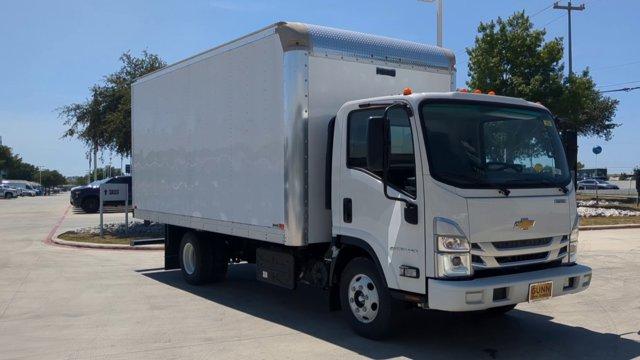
(366, 301)
(202, 260)
(90, 205)
(8, 195)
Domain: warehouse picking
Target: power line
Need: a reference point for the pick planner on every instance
(622, 83)
(541, 11)
(625, 89)
(554, 20)
(616, 66)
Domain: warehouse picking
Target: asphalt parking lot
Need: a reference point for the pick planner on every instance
(65, 303)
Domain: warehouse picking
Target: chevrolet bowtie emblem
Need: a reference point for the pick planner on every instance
(524, 224)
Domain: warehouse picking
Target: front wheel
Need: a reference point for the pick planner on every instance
(8, 195)
(90, 205)
(366, 301)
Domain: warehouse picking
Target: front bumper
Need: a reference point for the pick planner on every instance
(478, 294)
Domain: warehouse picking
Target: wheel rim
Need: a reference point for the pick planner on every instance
(363, 298)
(189, 258)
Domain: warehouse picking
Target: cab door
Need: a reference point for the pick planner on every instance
(363, 212)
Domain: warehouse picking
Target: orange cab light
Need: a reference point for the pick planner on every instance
(477, 91)
(407, 91)
(463, 90)
(491, 92)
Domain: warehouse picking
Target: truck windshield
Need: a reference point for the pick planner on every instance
(484, 145)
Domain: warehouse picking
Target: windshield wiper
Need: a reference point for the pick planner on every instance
(542, 181)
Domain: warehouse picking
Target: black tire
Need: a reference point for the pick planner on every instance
(209, 262)
(90, 205)
(8, 195)
(382, 323)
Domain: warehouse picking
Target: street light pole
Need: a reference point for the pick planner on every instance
(439, 15)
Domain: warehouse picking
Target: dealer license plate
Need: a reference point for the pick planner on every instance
(540, 291)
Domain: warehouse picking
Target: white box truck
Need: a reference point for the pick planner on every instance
(348, 161)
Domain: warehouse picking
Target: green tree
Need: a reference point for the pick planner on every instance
(512, 58)
(12, 166)
(51, 178)
(580, 165)
(104, 120)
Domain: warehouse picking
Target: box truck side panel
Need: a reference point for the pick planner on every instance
(332, 82)
(208, 142)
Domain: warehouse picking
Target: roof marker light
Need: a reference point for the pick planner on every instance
(463, 90)
(491, 92)
(407, 91)
(477, 91)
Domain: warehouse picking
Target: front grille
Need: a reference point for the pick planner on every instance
(520, 258)
(482, 273)
(515, 244)
(476, 259)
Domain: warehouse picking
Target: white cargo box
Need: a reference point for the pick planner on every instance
(233, 140)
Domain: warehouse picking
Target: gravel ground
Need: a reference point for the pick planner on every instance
(136, 229)
(591, 212)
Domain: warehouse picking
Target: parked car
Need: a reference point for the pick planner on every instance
(87, 197)
(592, 184)
(8, 192)
(15, 185)
(29, 192)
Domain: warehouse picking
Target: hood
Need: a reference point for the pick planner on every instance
(82, 187)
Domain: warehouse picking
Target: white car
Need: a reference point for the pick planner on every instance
(8, 192)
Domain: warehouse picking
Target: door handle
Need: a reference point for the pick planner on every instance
(347, 210)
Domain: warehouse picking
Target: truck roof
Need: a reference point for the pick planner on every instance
(331, 42)
(455, 95)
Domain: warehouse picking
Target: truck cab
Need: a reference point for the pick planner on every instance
(465, 199)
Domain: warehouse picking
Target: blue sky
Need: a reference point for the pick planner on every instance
(52, 51)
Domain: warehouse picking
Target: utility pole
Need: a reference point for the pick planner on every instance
(572, 157)
(569, 8)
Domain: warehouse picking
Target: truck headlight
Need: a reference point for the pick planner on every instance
(572, 249)
(453, 257)
(451, 243)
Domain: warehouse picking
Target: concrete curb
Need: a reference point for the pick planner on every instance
(84, 245)
(608, 227)
(52, 238)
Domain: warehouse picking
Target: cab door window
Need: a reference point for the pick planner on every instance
(402, 167)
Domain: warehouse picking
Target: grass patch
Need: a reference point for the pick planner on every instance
(96, 239)
(611, 220)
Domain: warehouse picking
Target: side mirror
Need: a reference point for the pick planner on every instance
(375, 144)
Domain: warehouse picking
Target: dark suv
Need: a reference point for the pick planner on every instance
(87, 197)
